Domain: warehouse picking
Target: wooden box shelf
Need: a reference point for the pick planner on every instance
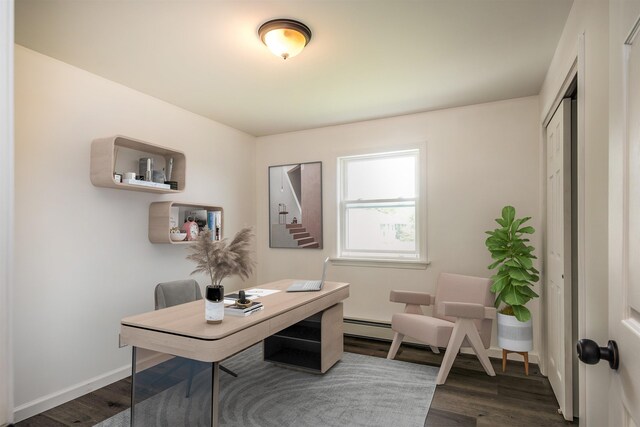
(120, 154)
(160, 216)
(314, 344)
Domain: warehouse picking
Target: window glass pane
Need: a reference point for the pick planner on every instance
(381, 177)
(384, 227)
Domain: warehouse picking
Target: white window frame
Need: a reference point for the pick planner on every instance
(415, 259)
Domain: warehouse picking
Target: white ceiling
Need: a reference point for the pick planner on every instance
(367, 59)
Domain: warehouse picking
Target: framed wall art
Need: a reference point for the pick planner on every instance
(295, 206)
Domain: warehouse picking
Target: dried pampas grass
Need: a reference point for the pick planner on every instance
(221, 258)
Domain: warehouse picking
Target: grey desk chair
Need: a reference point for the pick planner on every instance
(169, 294)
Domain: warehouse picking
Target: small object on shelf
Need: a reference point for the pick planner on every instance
(170, 169)
(145, 183)
(172, 184)
(191, 228)
(117, 177)
(129, 175)
(145, 167)
(176, 235)
(158, 176)
(214, 304)
(294, 220)
(199, 216)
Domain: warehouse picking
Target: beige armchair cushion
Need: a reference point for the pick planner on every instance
(423, 328)
(459, 288)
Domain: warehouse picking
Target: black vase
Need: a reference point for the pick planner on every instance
(215, 293)
(214, 304)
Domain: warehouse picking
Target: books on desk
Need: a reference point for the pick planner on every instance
(235, 310)
(249, 294)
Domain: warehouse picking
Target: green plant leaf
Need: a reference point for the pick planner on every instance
(502, 234)
(494, 265)
(520, 274)
(496, 242)
(512, 263)
(512, 296)
(508, 214)
(522, 313)
(501, 222)
(528, 292)
(525, 261)
(515, 225)
(519, 283)
(527, 230)
(499, 281)
(499, 254)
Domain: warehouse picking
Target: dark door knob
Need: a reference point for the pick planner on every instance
(590, 353)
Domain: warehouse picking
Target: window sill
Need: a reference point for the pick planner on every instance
(380, 263)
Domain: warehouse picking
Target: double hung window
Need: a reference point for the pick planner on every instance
(379, 206)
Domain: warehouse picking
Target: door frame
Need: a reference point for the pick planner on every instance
(6, 209)
(577, 70)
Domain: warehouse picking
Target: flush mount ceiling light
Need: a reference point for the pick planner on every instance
(284, 37)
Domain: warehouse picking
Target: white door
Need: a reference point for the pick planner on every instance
(624, 214)
(558, 258)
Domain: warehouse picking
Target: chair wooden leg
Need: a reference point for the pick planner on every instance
(457, 336)
(474, 338)
(395, 345)
(504, 360)
(526, 362)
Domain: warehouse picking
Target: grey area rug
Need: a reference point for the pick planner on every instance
(358, 391)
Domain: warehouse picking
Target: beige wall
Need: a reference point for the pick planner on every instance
(479, 158)
(82, 256)
(589, 18)
(6, 209)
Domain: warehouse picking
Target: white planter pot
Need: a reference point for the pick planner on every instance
(513, 334)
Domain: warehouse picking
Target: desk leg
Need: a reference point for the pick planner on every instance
(215, 395)
(133, 384)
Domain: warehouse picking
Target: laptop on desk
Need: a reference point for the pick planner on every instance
(309, 285)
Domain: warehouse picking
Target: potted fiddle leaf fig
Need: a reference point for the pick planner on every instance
(512, 283)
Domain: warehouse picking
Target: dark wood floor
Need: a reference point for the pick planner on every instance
(469, 398)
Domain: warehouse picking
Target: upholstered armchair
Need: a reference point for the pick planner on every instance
(463, 313)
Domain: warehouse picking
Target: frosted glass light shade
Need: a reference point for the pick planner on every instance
(284, 37)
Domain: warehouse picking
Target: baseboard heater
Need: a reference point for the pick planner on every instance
(367, 323)
(376, 331)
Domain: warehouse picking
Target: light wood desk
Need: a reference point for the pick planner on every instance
(182, 331)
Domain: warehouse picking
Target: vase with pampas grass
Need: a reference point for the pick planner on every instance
(219, 259)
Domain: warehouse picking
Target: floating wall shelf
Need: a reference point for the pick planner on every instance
(160, 219)
(120, 154)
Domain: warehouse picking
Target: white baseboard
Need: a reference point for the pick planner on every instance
(382, 331)
(52, 400)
